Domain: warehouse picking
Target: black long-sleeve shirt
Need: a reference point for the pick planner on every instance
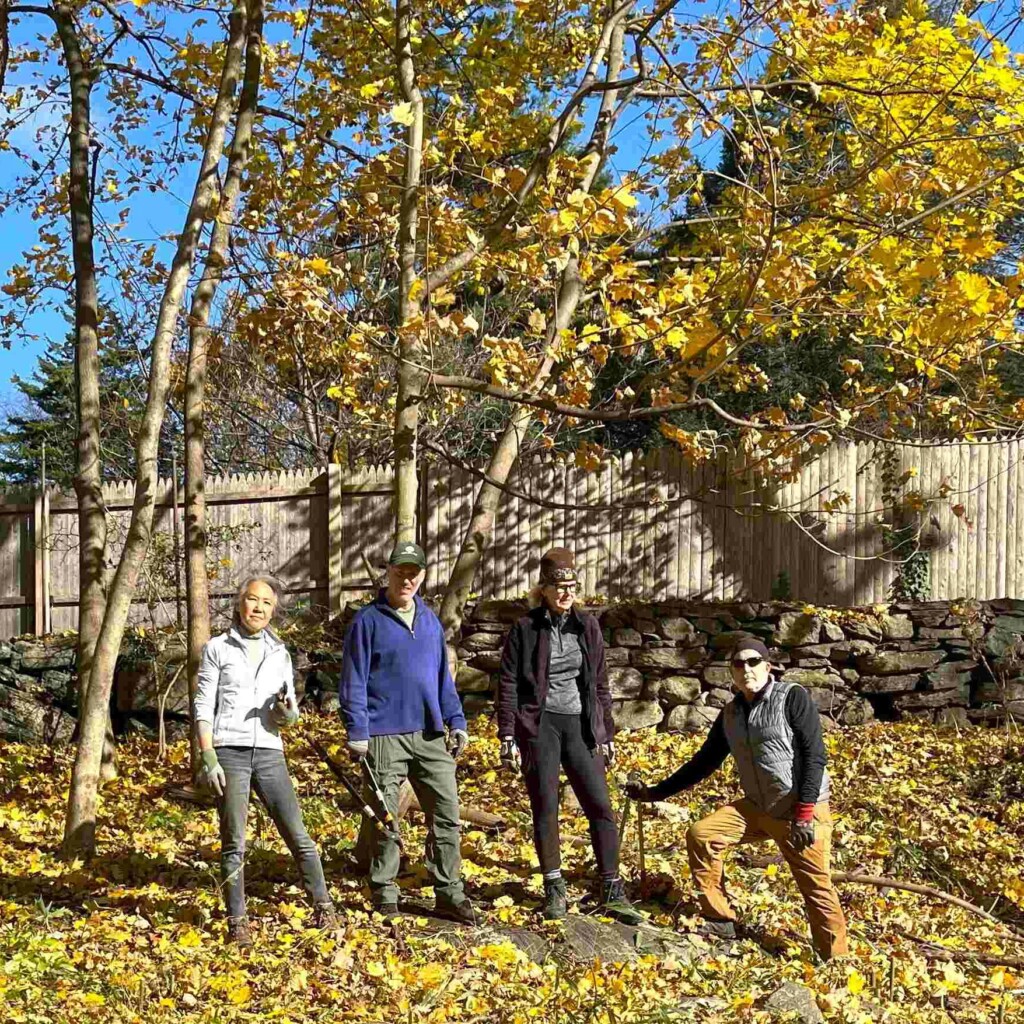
(809, 746)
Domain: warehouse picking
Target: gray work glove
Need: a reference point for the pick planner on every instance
(801, 835)
(211, 774)
(509, 754)
(285, 711)
(358, 749)
(608, 749)
(457, 740)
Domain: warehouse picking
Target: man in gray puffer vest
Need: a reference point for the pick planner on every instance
(773, 731)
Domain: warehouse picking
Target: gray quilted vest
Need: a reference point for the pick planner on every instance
(762, 747)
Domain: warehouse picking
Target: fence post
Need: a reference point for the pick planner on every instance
(335, 562)
(39, 574)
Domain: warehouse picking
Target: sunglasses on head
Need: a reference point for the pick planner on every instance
(753, 661)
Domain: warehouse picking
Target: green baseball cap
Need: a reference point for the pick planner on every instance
(408, 553)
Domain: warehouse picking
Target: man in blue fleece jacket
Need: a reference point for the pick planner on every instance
(397, 697)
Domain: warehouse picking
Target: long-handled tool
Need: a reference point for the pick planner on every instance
(380, 817)
(378, 794)
(634, 777)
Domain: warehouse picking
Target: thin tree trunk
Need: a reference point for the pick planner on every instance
(80, 824)
(197, 582)
(92, 519)
(481, 526)
(411, 375)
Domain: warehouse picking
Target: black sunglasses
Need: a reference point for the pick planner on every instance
(752, 662)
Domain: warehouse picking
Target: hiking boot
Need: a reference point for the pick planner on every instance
(615, 903)
(555, 907)
(389, 911)
(324, 916)
(712, 929)
(462, 912)
(238, 932)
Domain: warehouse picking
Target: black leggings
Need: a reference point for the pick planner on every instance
(559, 743)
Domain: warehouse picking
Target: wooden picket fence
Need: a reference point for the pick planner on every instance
(646, 526)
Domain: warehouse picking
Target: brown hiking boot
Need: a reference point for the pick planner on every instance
(324, 916)
(238, 932)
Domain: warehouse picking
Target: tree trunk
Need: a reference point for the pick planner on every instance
(197, 582)
(92, 519)
(411, 375)
(481, 526)
(80, 824)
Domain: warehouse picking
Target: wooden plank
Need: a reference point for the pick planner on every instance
(335, 548)
(1002, 481)
(1012, 511)
(976, 501)
(965, 565)
(1017, 524)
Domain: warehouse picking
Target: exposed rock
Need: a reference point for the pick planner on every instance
(1005, 632)
(675, 690)
(809, 677)
(950, 675)
(616, 656)
(896, 627)
(888, 684)
(140, 689)
(472, 680)
(709, 626)
(666, 658)
(932, 633)
(927, 699)
(812, 662)
(883, 663)
(796, 629)
(625, 683)
(850, 676)
(856, 711)
(487, 661)
(499, 611)
(482, 641)
(690, 718)
(792, 997)
(626, 637)
(31, 655)
(812, 651)
(746, 611)
(827, 701)
(992, 691)
(648, 628)
(717, 698)
(726, 641)
(636, 714)
(843, 652)
(952, 717)
(23, 719)
(863, 629)
(718, 675)
(329, 703)
(832, 631)
(675, 628)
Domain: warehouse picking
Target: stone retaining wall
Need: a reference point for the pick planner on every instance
(667, 662)
(939, 662)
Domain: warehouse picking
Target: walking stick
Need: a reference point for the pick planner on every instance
(382, 820)
(635, 778)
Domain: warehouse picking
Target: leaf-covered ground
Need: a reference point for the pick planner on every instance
(138, 935)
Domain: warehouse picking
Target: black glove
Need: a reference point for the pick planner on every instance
(801, 835)
(639, 792)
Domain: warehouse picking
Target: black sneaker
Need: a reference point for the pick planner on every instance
(462, 911)
(615, 903)
(712, 929)
(555, 906)
(389, 911)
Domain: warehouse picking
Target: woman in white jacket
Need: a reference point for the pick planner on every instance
(245, 696)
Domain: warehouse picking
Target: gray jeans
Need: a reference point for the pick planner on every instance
(423, 758)
(266, 770)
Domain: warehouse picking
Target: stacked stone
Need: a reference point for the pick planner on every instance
(38, 690)
(667, 664)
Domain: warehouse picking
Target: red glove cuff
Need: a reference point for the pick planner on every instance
(804, 813)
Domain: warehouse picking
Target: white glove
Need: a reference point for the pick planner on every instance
(510, 756)
(608, 749)
(457, 740)
(358, 749)
(285, 711)
(211, 774)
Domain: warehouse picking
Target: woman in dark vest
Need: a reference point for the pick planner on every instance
(554, 712)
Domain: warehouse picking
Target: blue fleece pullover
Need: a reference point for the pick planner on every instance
(395, 679)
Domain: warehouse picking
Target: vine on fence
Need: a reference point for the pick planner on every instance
(901, 534)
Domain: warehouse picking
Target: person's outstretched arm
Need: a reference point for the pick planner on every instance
(704, 763)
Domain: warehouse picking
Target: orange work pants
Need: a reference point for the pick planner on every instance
(741, 822)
